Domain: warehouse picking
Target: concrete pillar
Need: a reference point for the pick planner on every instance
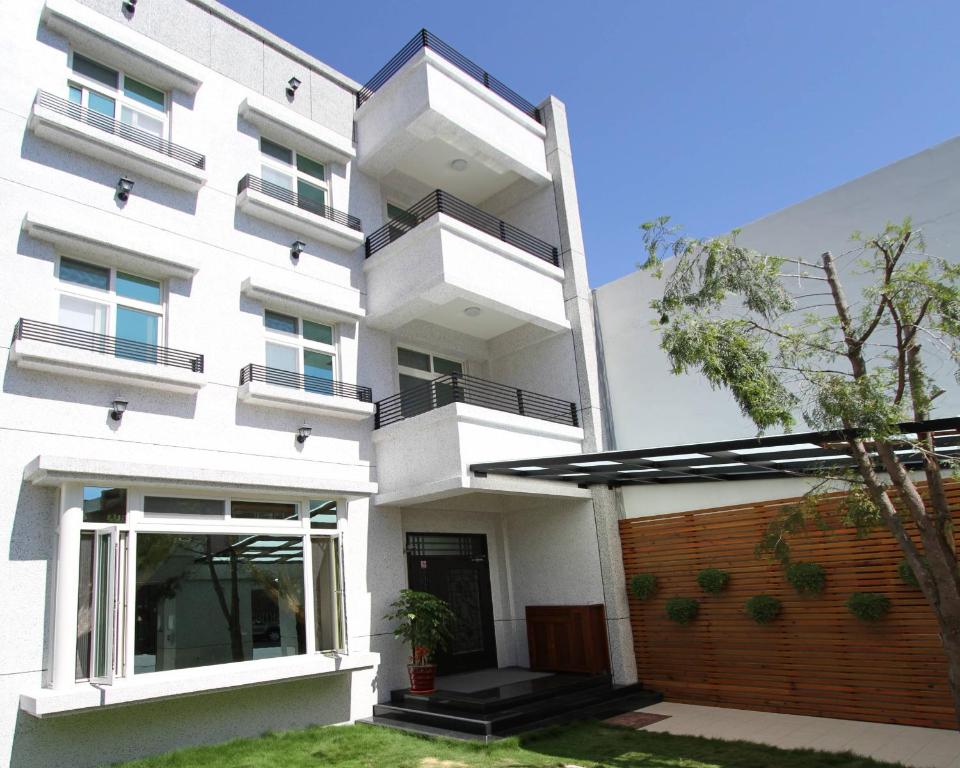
(67, 587)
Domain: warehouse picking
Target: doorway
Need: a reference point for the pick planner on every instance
(455, 568)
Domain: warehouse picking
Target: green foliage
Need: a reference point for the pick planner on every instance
(713, 580)
(807, 578)
(682, 610)
(790, 519)
(425, 623)
(763, 609)
(907, 576)
(644, 586)
(868, 606)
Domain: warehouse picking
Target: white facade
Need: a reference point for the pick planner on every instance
(216, 252)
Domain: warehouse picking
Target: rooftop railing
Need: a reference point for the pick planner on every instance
(109, 125)
(460, 388)
(439, 201)
(425, 39)
(253, 372)
(107, 345)
(292, 198)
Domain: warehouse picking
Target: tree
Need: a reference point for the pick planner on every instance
(858, 367)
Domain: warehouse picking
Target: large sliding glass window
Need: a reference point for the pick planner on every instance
(415, 369)
(107, 301)
(213, 581)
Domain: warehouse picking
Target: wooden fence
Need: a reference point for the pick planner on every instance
(817, 658)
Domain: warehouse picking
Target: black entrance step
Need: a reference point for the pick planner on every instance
(587, 702)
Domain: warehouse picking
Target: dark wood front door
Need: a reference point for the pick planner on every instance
(454, 567)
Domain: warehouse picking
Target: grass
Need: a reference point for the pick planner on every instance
(591, 745)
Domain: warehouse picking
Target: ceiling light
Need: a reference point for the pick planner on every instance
(472, 311)
(595, 464)
(528, 469)
(459, 164)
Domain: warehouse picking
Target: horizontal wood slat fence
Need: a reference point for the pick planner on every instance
(815, 659)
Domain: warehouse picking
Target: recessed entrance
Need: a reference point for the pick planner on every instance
(454, 567)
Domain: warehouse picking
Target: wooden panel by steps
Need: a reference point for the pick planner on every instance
(816, 658)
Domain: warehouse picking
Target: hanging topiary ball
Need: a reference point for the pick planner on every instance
(868, 606)
(644, 586)
(807, 578)
(713, 580)
(763, 609)
(682, 610)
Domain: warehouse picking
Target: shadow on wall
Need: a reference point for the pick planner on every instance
(130, 732)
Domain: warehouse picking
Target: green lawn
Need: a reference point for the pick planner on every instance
(591, 745)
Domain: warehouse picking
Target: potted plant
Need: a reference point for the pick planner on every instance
(425, 622)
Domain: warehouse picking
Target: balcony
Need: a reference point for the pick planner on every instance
(426, 438)
(433, 116)
(279, 205)
(133, 150)
(58, 349)
(276, 388)
(451, 264)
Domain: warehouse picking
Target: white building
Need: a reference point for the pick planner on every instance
(221, 258)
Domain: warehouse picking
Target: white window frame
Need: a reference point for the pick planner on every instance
(430, 375)
(300, 343)
(295, 174)
(120, 99)
(110, 299)
(123, 597)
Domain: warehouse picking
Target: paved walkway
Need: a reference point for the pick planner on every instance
(918, 747)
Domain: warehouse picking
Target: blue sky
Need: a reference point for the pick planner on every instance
(715, 113)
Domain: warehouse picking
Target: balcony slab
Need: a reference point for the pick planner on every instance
(266, 395)
(278, 212)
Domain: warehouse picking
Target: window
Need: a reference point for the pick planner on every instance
(296, 173)
(117, 96)
(417, 368)
(112, 303)
(211, 581)
(300, 347)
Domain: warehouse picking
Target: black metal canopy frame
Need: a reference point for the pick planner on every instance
(754, 458)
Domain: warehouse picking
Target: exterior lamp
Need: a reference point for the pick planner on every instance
(303, 433)
(117, 409)
(296, 248)
(292, 84)
(124, 188)
(130, 6)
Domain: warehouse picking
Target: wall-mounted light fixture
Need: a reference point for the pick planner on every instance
(124, 188)
(303, 433)
(296, 248)
(129, 6)
(117, 409)
(292, 84)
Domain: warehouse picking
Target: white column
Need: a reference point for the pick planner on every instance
(67, 586)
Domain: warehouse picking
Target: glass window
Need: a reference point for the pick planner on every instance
(142, 121)
(139, 288)
(143, 93)
(442, 366)
(275, 151)
(310, 196)
(264, 510)
(323, 513)
(89, 68)
(410, 359)
(318, 368)
(104, 505)
(273, 176)
(85, 606)
(141, 329)
(329, 628)
(167, 505)
(277, 322)
(317, 332)
(102, 104)
(281, 357)
(83, 315)
(295, 172)
(311, 167)
(75, 94)
(212, 599)
(88, 275)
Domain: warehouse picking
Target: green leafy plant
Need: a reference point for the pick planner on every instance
(763, 609)
(907, 576)
(425, 623)
(713, 580)
(682, 610)
(644, 586)
(807, 578)
(868, 606)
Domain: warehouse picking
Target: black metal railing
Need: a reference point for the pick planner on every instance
(107, 345)
(425, 39)
(253, 372)
(109, 125)
(439, 201)
(282, 193)
(460, 388)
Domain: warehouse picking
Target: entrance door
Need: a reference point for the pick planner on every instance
(454, 567)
